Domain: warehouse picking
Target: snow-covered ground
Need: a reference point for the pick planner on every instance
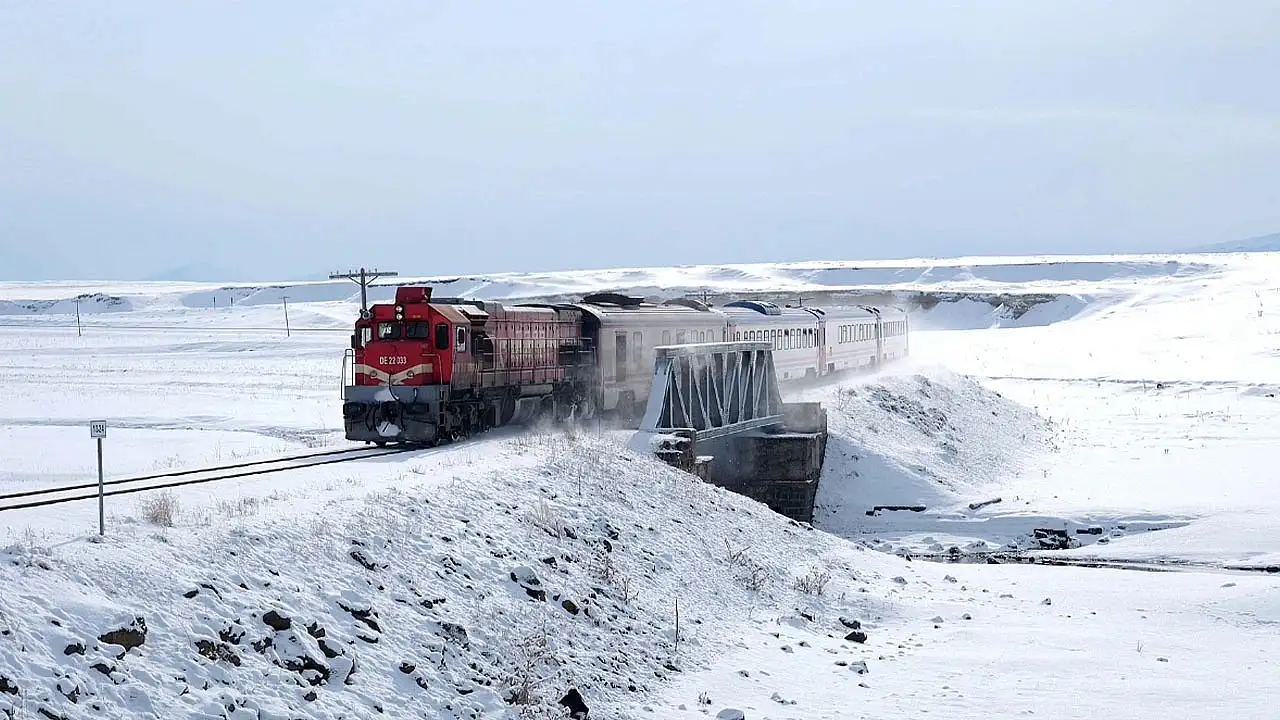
(1136, 397)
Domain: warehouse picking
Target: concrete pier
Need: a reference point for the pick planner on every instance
(780, 467)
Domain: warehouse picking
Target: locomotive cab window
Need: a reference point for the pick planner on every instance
(417, 330)
(460, 344)
(366, 335)
(442, 336)
(389, 331)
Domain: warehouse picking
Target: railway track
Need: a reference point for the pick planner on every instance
(180, 478)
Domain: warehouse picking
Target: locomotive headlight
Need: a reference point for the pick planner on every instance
(399, 312)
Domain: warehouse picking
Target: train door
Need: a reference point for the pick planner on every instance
(821, 336)
(620, 357)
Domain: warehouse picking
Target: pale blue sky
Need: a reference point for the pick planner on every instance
(286, 138)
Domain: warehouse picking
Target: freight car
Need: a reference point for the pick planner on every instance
(427, 370)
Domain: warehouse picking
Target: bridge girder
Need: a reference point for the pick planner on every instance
(713, 389)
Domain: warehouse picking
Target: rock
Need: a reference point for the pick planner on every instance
(937, 619)
(851, 624)
(7, 686)
(74, 649)
(407, 668)
(365, 616)
(454, 633)
(127, 637)
(1052, 538)
(190, 594)
(856, 636)
(528, 579)
(231, 635)
(217, 652)
(368, 564)
(277, 621)
(572, 700)
(570, 607)
(730, 714)
(1047, 601)
(859, 667)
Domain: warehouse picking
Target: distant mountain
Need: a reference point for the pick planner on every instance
(194, 272)
(1264, 243)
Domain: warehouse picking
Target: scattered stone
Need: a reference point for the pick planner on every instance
(276, 621)
(7, 686)
(190, 594)
(360, 557)
(1052, 539)
(967, 616)
(217, 652)
(574, 703)
(127, 637)
(937, 619)
(526, 578)
(570, 606)
(364, 616)
(1047, 601)
(407, 668)
(231, 635)
(950, 579)
(851, 624)
(454, 633)
(730, 714)
(859, 667)
(74, 649)
(857, 636)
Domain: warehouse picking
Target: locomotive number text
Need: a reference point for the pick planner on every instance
(393, 360)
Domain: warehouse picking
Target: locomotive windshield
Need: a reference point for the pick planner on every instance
(389, 331)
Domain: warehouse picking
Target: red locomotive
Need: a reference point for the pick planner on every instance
(431, 370)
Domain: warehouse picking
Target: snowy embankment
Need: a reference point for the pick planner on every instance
(490, 588)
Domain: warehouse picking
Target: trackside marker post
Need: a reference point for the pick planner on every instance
(98, 431)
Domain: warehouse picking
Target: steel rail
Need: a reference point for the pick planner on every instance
(180, 473)
(195, 481)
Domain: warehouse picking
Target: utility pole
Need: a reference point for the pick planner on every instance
(285, 298)
(363, 278)
(78, 331)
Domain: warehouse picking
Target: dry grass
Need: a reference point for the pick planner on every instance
(161, 509)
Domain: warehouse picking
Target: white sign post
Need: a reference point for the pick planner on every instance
(98, 431)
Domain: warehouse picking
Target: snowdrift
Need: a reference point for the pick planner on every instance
(554, 563)
(933, 439)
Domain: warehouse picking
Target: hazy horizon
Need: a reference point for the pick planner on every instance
(293, 139)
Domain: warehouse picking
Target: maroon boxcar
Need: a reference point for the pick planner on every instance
(427, 370)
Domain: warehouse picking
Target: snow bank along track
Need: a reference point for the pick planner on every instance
(178, 478)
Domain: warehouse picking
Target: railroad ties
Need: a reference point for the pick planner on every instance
(715, 410)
